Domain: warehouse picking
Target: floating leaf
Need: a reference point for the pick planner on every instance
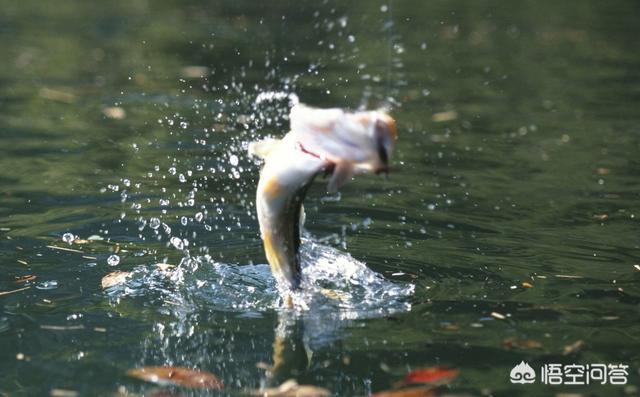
(177, 376)
(114, 278)
(291, 388)
(430, 375)
(515, 343)
(573, 348)
(25, 278)
(422, 391)
(526, 285)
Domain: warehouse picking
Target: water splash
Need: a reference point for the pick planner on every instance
(333, 283)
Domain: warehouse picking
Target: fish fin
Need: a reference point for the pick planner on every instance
(262, 149)
(342, 173)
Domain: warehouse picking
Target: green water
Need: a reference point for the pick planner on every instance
(517, 162)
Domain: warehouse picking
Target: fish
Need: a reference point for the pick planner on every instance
(334, 142)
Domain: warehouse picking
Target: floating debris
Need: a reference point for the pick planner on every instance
(114, 112)
(498, 316)
(637, 267)
(433, 375)
(62, 327)
(525, 344)
(177, 376)
(20, 261)
(601, 217)
(573, 348)
(2, 293)
(526, 285)
(566, 276)
(25, 278)
(114, 278)
(441, 117)
(291, 388)
(53, 247)
(63, 393)
(603, 171)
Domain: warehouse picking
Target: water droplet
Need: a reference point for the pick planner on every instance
(233, 160)
(182, 178)
(68, 238)
(154, 223)
(184, 221)
(113, 260)
(199, 216)
(177, 242)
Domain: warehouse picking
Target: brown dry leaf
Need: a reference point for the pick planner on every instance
(515, 343)
(25, 278)
(526, 285)
(114, 278)
(441, 117)
(601, 217)
(573, 348)
(603, 171)
(179, 376)
(422, 391)
(2, 293)
(433, 375)
(81, 241)
(291, 388)
(114, 112)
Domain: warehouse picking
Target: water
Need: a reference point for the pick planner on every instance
(513, 191)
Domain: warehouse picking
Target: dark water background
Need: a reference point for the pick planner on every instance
(517, 162)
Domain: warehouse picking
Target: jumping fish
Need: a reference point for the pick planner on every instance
(331, 141)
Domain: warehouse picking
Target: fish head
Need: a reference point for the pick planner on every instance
(363, 140)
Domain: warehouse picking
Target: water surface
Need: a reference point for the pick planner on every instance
(517, 162)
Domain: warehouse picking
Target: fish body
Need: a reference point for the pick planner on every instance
(332, 141)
